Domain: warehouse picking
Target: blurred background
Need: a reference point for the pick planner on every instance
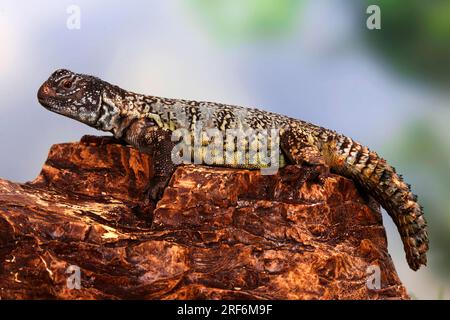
(312, 60)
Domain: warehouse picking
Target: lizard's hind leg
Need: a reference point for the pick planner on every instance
(301, 153)
(299, 150)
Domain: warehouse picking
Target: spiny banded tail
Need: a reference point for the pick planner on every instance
(375, 175)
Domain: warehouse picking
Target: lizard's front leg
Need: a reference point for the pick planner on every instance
(156, 142)
(163, 168)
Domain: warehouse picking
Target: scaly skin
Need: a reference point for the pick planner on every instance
(147, 123)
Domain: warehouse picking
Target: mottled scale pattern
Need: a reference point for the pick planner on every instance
(147, 123)
(388, 188)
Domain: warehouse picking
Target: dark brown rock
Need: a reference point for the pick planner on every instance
(216, 234)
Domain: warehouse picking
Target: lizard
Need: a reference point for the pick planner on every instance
(148, 123)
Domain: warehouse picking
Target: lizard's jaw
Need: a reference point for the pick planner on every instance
(84, 113)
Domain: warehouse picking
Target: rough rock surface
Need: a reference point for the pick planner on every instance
(216, 233)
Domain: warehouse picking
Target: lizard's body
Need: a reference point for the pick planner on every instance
(148, 123)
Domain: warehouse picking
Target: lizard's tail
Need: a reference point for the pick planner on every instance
(374, 174)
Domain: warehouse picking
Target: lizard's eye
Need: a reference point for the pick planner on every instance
(67, 83)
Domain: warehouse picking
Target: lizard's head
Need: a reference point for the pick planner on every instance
(73, 95)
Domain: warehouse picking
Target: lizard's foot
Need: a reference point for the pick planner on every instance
(297, 175)
(318, 173)
(155, 188)
(101, 140)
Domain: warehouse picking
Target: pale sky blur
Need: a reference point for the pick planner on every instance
(321, 72)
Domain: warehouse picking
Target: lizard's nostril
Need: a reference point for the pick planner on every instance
(45, 91)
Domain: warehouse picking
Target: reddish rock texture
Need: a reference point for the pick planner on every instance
(216, 233)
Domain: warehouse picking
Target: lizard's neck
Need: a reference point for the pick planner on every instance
(120, 109)
(109, 114)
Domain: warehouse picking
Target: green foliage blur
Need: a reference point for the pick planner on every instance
(238, 21)
(415, 38)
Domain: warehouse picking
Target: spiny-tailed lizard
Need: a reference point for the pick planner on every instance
(149, 123)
